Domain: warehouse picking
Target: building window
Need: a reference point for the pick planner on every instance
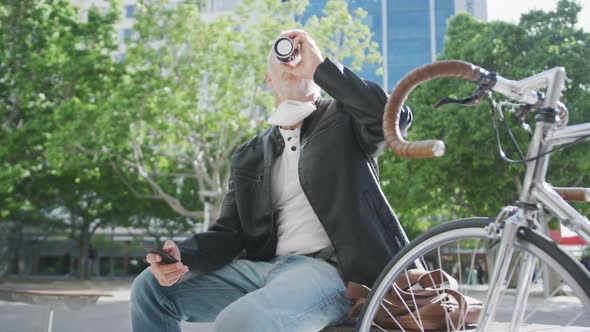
(129, 10)
(127, 34)
(470, 7)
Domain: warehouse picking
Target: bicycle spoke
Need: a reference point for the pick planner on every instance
(448, 319)
(419, 321)
(472, 265)
(445, 249)
(423, 262)
(439, 258)
(466, 289)
(546, 300)
(580, 313)
(382, 329)
(405, 305)
(459, 262)
(511, 273)
(392, 316)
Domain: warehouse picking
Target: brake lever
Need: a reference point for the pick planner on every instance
(469, 101)
(475, 98)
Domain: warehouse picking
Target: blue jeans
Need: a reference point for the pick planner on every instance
(288, 293)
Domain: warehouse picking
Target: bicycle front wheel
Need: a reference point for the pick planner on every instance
(559, 291)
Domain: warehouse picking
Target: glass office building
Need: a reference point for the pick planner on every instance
(409, 33)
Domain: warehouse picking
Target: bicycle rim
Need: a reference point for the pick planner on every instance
(559, 292)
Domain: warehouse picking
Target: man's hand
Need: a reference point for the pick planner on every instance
(311, 57)
(167, 274)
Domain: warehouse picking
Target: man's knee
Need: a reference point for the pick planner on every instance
(144, 287)
(241, 316)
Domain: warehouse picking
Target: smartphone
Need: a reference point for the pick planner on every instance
(166, 257)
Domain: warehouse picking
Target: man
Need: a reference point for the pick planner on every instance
(303, 215)
(480, 272)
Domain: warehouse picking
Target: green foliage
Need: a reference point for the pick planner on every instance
(53, 69)
(193, 89)
(471, 179)
(57, 80)
(87, 141)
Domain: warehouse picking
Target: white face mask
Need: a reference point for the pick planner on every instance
(291, 112)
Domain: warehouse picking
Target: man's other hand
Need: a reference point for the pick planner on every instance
(167, 274)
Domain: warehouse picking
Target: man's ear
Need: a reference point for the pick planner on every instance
(268, 80)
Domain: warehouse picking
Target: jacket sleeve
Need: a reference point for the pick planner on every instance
(363, 100)
(220, 244)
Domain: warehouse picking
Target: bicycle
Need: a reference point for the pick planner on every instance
(516, 237)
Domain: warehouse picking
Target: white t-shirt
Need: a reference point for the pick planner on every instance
(299, 228)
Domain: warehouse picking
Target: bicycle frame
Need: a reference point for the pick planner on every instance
(536, 194)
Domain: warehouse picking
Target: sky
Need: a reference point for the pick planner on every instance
(510, 10)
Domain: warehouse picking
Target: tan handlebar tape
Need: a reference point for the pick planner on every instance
(574, 194)
(391, 131)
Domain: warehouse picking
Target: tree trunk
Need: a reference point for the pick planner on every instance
(126, 258)
(207, 217)
(10, 238)
(83, 245)
(158, 240)
(111, 251)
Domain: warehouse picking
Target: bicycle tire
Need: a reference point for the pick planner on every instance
(567, 268)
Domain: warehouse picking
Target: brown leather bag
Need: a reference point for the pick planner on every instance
(418, 300)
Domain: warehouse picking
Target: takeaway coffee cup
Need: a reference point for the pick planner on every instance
(285, 50)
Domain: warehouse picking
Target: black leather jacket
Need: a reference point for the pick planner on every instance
(338, 172)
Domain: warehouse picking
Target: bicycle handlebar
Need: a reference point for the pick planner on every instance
(574, 194)
(522, 91)
(393, 137)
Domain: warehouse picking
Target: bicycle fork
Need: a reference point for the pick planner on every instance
(511, 224)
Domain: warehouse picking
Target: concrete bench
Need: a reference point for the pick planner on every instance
(51, 298)
(346, 326)
(339, 328)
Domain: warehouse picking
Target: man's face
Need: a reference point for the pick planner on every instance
(287, 86)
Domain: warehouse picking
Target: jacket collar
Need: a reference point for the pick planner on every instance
(314, 117)
(273, 145)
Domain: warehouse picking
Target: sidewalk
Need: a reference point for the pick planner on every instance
(119, 287)
(111, 314)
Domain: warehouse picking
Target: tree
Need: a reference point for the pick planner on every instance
(471, 179)
(158, 221)
(30, 57)
(194, 90)
(87, 141)
(56, 74)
